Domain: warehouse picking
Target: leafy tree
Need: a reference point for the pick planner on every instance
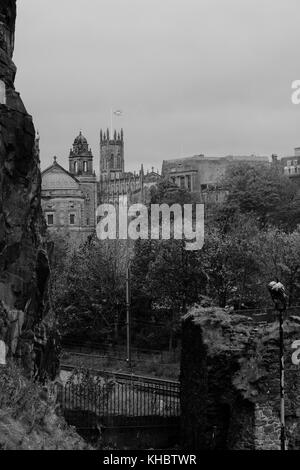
(90, 297)
(166, 192)
(280, 258)
(166, 278)
(229, 260)
(263, 191)
(249, 241)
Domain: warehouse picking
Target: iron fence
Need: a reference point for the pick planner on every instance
(119, 400)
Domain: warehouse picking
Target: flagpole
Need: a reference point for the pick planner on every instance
(111, 122)
(117, 113)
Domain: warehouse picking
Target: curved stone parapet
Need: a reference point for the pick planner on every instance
(230, 381)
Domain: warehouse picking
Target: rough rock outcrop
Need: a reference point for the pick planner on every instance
(25, 325)
(230, 381)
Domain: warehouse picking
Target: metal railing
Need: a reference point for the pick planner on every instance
(119, 400)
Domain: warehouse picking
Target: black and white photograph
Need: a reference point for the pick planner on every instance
(150, 229)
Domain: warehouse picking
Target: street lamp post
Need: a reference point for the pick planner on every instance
(282, 381)
(128, 315)
(279, 297)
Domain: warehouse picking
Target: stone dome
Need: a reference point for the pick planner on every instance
(80, 140)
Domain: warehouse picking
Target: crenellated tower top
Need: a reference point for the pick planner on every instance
(112, 153)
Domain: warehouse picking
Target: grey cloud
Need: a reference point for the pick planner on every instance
(192, 76)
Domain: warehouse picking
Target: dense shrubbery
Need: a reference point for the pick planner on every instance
(265, 193)
(88, 290)
(20, 395)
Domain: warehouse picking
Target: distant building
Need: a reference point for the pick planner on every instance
(70, 198)
(112, 154)
(202, 175)
(114, 181)
(291, 166)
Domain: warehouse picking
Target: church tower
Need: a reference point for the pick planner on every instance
(111, 154)
(81, 158)
(81, 166)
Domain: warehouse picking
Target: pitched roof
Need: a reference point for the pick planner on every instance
(56, 177)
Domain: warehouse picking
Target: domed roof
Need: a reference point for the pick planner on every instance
(80, 140)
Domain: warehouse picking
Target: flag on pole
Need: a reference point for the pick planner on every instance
(113, 113)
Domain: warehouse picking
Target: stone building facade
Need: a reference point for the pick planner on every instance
(112, 153)
(115, 182)
(70, 198)
(201, 175)
(291, 166)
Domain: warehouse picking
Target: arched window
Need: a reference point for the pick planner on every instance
(75, 167)
(2, 92)
(85, 167)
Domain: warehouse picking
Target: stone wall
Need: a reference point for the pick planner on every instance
(230, 382)
(26, 327)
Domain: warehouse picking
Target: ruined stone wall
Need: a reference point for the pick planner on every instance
(230, 382)
(24, 270)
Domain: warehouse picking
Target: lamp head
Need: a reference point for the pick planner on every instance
(278, 294)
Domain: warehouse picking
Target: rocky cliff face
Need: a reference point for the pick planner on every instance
(25, 323)
(230, 382)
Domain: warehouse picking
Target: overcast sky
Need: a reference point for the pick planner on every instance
(191, 76)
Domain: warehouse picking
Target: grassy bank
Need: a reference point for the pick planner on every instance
(29, 417)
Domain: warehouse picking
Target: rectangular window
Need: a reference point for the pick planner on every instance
(189, 183)
(50, 219)
(72, 219)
